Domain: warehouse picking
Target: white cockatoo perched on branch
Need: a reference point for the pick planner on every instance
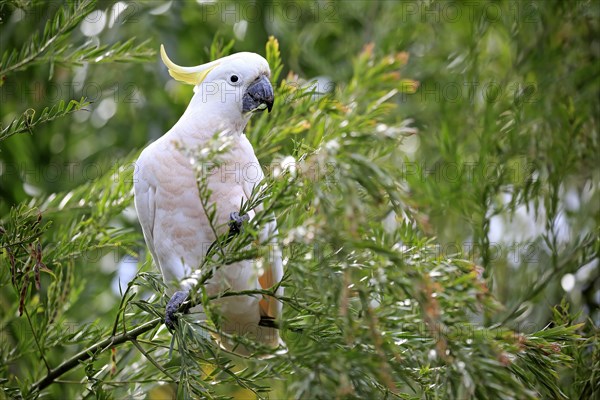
(176, 227)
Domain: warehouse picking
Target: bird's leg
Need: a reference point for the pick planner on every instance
(235, 222)
(172, 307)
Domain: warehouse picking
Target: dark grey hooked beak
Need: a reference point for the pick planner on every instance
(258, 96)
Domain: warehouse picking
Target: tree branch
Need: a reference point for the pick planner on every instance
(113, 341)
(86, 354)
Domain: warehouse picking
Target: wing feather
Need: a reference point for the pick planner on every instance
(273, 270)
(145, 206)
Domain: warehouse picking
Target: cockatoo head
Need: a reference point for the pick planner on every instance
(234, 86)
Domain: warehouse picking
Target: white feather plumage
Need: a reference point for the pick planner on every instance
(175, 226)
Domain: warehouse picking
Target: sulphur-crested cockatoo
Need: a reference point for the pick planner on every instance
(176, 227)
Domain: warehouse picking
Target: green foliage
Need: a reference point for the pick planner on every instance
(53, 46)
(27, 121)
(55, 31)
(451, 255)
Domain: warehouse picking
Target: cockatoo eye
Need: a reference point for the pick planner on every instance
(234, 78)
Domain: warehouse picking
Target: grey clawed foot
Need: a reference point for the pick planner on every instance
(236, 221)
(172, 307)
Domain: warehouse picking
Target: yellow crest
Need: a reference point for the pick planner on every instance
(190, 75)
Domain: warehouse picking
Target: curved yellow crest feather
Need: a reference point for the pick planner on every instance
(189, 75)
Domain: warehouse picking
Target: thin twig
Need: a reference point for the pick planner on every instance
(35, 337)
(152, 360)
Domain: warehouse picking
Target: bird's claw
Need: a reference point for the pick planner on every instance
(172, 307)
(236, 222)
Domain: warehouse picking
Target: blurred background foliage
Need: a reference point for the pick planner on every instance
(446, 247)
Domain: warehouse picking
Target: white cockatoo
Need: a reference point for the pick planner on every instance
(176, 227)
